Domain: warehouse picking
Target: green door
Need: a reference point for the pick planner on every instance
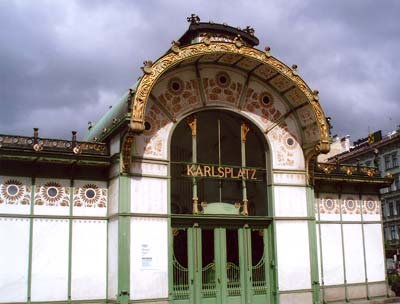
(220, 265)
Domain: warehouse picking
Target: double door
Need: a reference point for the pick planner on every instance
(220, 265)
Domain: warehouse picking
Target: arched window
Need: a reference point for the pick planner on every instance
(218, 166)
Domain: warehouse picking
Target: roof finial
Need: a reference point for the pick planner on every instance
(249, 30)
(193, 19)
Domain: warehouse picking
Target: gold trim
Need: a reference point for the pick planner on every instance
(171, 59)
(245, 129)
(192, 123)
(126, 152)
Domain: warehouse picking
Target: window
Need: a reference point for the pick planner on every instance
(387, 162)
(396, 182)
(393, 234)
(398, 207)
(394, 160)
(390, 213)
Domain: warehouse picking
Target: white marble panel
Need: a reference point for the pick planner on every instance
(113, 196)
(332, 254)
(89, 260)
(290, 178)
(371, 208)
(90, 198)
(329, 207)
(149, 168)
(149, 258)
(296, 298)
(52, 196)
(112, 259)
(351, 208)
(374, 252)
(15, 195)
(115, 143)
(290, 201)
(293, 255)
(286, 148)
(14, 256)
(149, 195)
(50, 260)
(353, 252)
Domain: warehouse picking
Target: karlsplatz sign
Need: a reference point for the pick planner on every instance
(221, 172)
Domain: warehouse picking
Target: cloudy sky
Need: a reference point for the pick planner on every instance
(63, 63)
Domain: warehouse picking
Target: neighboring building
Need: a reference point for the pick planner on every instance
(384, 152)
(199, 186)
(338, 146)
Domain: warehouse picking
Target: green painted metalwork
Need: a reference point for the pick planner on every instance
(124, 240)
(343, 256)
(70, 229)
(32, 202)
(313, 246)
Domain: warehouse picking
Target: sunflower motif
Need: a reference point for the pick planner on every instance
(52, 192)
(350, 205)
(12, 190)
(90, 194)
(370, 205)
(329, 204)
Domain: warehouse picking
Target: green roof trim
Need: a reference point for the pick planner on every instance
(117, 113)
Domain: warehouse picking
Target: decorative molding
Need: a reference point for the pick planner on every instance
(127, 152)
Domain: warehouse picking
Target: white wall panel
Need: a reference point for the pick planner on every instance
(353, 252)
(149, 258)
(329, 207)
(50, 260)
(293, 255)
(45, 204)
(90, 198)
(148, 195)
(374, 252)
(89, 260)
(149, 168)
(15, 195)
(290, 178)
(112, 259)
(14, 240)
(290, 201)
(332, 254)
(115, 144)
(113, 195)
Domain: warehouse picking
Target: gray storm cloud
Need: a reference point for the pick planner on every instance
(63, 63)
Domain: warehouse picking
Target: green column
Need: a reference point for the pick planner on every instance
(124, 240)
(313, 246)
(192, 122)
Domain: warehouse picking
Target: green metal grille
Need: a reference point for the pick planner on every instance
(181, 281)
(233, 276)
(258, 275)
(208, 281)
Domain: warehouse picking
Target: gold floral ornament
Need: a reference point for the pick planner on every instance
(90, 195)
(52, 194)
(153, 71)
(13, 192)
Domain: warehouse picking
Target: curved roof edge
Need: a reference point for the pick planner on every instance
(104, 127)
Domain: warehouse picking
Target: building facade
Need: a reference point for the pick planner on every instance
(199, 186)
(383, 153)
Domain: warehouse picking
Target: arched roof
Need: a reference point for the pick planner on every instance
(262, 64)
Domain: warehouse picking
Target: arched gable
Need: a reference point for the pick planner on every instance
(302, 102)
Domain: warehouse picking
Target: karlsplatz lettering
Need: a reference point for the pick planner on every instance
(220, 172)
